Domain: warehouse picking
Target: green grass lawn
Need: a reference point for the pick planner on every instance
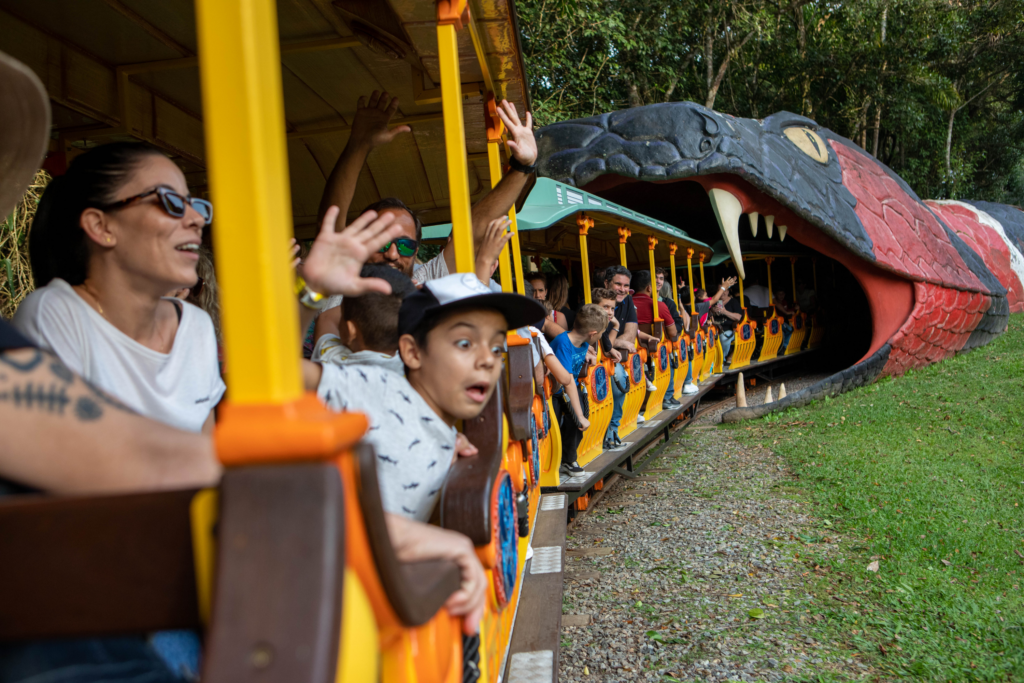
(924, 473)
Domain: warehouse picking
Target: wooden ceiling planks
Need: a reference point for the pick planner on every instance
(76, 45)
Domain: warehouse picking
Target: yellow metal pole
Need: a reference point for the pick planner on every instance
(455, 140)
(243, 118)
(672, 248)
(652, 242)
(517, 256)
(624, 234)
(742, 305)
(504, 261)
(585, 223)
(768, 265)
(689, 282)
(702, 285)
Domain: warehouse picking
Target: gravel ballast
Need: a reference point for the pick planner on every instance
(704, 580)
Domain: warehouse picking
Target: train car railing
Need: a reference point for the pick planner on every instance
(743, 344)
(634, 364)
(599, 391)
(658, 354)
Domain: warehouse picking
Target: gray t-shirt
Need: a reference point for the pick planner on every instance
(415, 448)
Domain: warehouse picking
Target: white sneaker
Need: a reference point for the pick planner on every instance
(639, 419)
(529, 552)
(690, 389)
(651, 386)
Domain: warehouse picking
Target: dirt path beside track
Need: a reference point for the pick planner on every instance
(692, 572)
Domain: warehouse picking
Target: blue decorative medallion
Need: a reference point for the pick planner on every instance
(600, 383)
(745, 332)
(663, 357)
(637, 369)
(775, 326)
(508, 536)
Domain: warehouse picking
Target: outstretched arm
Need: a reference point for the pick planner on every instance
(500, 199)
(369, 130)
(62, 443)
(726, 284)
(496, 236)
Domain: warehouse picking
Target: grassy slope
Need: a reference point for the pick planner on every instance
(925, 474)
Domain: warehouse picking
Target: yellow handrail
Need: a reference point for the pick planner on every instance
(624, 234)
(240, 69)
(672, 248)
(702, 285)
(585, 223)
(768, 266)
(455, 134)
(742, 305)
(689, 272)
(652, 242)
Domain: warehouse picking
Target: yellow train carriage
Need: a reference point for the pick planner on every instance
(254, 100)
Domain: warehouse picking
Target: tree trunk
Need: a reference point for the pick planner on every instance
(949, 141)
(672, 83)
(878, 129)
(722, 68)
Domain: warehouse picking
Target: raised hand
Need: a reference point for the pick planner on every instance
(728, 282)
(495, 239)
(370, 124)
(336, 258)
(521, 140)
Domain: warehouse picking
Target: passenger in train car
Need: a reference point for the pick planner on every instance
(369, 329)
(605, 298)
(558, 301)
(643, 300)
(538, 281)
(663, 285)
(370, 130)
(451, 338)
(784, 309)
(757, 293)
(571, 349)
(617, 278)
(806, 297)
(111, 238)
(726, 313)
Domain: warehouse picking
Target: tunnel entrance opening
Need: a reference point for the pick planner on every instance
(842, 304)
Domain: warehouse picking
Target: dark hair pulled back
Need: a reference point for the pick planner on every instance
(57, 245)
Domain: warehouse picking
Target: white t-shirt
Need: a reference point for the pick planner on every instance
(434, 269)
(179, 388)
(758, 295)
(415, 448)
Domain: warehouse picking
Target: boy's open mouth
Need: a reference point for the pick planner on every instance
(478, 392)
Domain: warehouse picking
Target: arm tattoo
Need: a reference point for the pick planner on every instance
(52, 397)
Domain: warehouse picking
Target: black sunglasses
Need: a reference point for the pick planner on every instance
(174, 204)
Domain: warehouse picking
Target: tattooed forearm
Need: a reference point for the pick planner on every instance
(52, 388)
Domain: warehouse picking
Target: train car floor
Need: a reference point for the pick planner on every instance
(533, 649)
(612, 460)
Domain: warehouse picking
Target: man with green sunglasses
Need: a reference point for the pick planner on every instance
(369, 130)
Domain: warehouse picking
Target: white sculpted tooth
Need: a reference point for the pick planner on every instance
(728, 211)
(753, 223)
(769, 221)
(782, 233)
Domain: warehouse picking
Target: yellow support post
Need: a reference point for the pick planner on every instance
(585, 223)
(768, 265)
(672, 248)
(517, 256)
(702, 285)
(742, 305)
(448, 22)
(494, 129)
(689, 282)
(624, 234)
(267, 416)
(240, 69)
(652, 242)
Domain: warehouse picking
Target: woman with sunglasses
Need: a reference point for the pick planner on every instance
(111, 238)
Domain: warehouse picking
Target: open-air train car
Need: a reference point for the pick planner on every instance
(286, 567)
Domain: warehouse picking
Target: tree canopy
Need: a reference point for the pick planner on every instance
(933, 88)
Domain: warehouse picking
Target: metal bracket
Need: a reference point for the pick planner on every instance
(624, 473)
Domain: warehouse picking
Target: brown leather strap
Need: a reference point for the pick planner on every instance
(466, 499)
(520, 392)
(88, 566)
(280, 567)
(415, 590)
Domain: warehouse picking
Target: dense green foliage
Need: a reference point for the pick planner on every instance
(934, 88)
(925, 474)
